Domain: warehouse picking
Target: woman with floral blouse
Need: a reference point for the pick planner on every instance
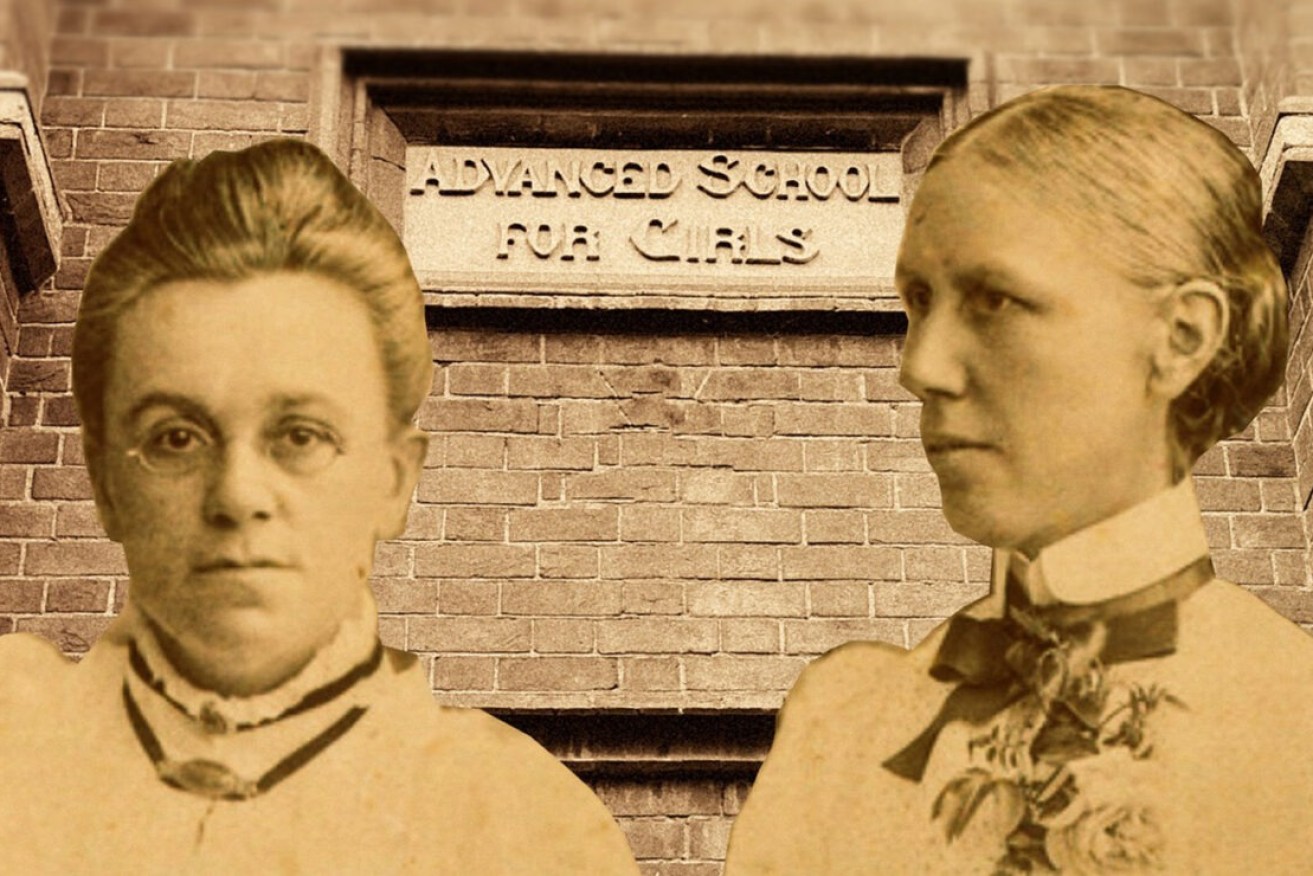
(1091, 306)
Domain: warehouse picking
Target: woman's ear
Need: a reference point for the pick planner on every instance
(1195, 318)
(409, 448)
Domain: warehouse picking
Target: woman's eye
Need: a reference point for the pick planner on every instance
(992, 301)
(304, 448)
(176, 440)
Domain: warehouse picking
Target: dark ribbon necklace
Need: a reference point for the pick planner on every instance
(991, 660)
(216, 781)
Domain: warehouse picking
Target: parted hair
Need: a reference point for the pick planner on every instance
(280, 205)
(1172, 200)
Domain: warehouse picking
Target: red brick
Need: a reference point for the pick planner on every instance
(557, 673)
(60, 483)
(636, 484)
(821, 562)
(750, 454)
(78, 595)
(138, 83)
(474, 561)
(657, 635)
(478, 415)
(839, 599)
(652, 597)
(835, 491)
(757, 562)
(10, 558)
(1260, 460)
(26, 520)
(650, 673)
(21, 597)
(838, 350)
(148, 53)
(1037, 71)
(746, 599)
(73, 112)
(1227, 494)
(13, 481)
(746, 350)
(1153, 71)
(819, 636)
(73, 558)
(475, 451)
(567, 561)
(750, 384)
(100, 208)
(868, 420)
(561, 598)
(476, 634)
(910, 527)
(741, 673)
(563, 636)
(750, 636)
(221, 115)
(1150, 41)
(748, 421)
(659, 838)
(742, 525)
(136, 145)
(642, 448)
(537, 453)
(127, 176)
(59, 411)
(476, 378)
(468, 597)
(142, 23)
(226, 84)
(658, 350)
(405, 595)
(652, 380)
(1268, 531)
(565, 524)
(716, 487)
(659, 560)
(660, 796)
(23, 411)
(134, 113)
(38, 376)
(450, 345)
(577, 349)
(228, 54)
(464, 673)
(1212, 72)
(557, 381)
(835, 527)
(474, 524)
(1191, 100)
(453, 486)
(924, 600)
(27, 446)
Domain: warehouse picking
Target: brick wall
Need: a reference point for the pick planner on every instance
(612, 520)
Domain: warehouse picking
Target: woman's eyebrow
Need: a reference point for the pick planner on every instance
(160, 399)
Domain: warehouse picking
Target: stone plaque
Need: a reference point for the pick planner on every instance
(757, 226)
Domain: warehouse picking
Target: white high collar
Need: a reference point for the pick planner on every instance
(1118, 555)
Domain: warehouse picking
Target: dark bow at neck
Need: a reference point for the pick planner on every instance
(992, 661)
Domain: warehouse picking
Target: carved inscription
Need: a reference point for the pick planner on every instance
(760, 216)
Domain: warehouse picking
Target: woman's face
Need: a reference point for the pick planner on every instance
(1030, 354)
(249, 467)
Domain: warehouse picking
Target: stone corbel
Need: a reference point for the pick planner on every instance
(29, 208)
(1287, 176)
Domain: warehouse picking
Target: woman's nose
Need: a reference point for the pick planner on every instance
(933, 362)
(240, 487)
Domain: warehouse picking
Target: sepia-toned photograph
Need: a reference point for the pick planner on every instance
(655, 437)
